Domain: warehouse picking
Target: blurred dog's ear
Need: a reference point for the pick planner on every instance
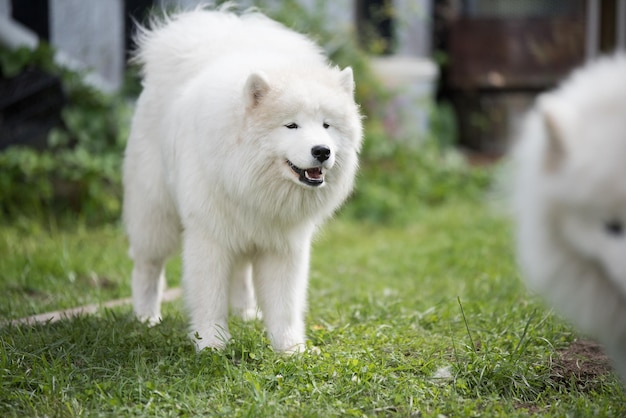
(555, 149)
(255, 89)
(555, 146)
(346, 80)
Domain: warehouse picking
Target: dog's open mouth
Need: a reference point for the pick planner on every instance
(311, 176)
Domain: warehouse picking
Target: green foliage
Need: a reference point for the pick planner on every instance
(13, 62)
(80, 170)
(396, 180)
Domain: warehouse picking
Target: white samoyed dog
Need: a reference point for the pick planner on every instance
(570, 201)
(243, 141)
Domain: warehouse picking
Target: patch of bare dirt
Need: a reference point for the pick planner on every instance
(583, 362)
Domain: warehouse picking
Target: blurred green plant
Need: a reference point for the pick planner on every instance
(392, 188)
(79, 173)
(397, 178)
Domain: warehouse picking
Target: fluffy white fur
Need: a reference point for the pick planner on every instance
(570, 200)
(229, 105)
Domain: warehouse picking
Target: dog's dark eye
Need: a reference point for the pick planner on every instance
(614, 227)
(325, 125)
(292, 126)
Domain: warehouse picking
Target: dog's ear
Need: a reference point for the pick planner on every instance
(555, 146)
(346, 80)
(255, 89)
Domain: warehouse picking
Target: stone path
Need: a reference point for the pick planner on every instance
(49, 317)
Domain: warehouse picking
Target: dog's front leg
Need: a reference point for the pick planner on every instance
(280, 280)
(206, 271)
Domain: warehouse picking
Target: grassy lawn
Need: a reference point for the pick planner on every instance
(425, 319)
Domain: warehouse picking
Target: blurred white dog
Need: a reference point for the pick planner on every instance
(570, 201)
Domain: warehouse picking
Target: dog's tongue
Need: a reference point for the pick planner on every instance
(314, 173)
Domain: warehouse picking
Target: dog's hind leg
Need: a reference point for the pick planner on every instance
(242, 300)
(154, 236)
(153, 229)
(148, 284)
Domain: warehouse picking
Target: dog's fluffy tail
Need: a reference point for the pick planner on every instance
(173, 46)
(178, 46)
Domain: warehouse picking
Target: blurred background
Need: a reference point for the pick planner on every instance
(453, 76)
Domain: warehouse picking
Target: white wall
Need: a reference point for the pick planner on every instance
(92, 32)
(5, 7)
(413, 27)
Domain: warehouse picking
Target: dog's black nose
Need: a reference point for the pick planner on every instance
(320, 152)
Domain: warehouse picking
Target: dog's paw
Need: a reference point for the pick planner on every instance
(289, 344)
(151, 320)
(302, 348)
(294, 349)
(288, 340)
(215, 340)
(314, 350)
(248, 314)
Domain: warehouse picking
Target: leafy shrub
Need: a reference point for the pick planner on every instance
(391, 188)
(80, 170)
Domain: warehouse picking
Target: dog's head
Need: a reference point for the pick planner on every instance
(585, 169)
(305, 125)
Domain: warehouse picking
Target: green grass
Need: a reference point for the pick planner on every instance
(389, 307)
